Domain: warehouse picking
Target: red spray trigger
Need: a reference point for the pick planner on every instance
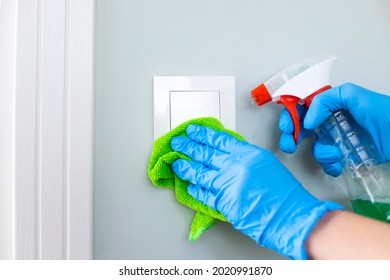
(290, 102)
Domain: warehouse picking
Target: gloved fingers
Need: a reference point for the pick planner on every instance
(203, 154)
(334, 169)
(329, 157)
(221, 141)
(205, 196)
(287, 143)
(286, 124)
(326, 154)
(194, 172)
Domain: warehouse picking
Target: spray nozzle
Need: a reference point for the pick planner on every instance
(261, 95)
(298, 83)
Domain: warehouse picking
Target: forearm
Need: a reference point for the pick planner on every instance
(345, 235)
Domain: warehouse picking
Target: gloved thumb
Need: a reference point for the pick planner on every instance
(322, 107)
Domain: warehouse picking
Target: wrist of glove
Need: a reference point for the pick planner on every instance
(250, 187)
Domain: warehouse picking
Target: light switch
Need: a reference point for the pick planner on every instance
(186, 105)
(180, 98)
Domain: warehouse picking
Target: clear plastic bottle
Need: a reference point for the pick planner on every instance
(366, 173)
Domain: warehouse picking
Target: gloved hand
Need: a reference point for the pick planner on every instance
(371, 110)
(329, 157)
(250, 187)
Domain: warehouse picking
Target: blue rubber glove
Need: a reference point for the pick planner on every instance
(250, 187)
(329, 157)
(371, 110)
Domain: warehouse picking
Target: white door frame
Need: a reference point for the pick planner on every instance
(51, 127)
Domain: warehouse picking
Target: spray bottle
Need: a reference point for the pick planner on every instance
(366, 173)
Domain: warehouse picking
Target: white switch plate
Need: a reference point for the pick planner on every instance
(186, 105)
(180, 98)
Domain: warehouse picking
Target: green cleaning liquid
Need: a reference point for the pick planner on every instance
(377, 210)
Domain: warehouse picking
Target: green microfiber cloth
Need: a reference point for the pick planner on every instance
(161, 174)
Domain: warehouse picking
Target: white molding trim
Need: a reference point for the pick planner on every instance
(7, 65)
(53, 129)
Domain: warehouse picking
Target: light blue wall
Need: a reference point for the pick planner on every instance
(249, 39)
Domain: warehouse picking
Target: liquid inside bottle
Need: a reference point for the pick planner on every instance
(366, 174)
(370, 192)
(376, 210)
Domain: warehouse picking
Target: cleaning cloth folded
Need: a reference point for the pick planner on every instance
(161, 174)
